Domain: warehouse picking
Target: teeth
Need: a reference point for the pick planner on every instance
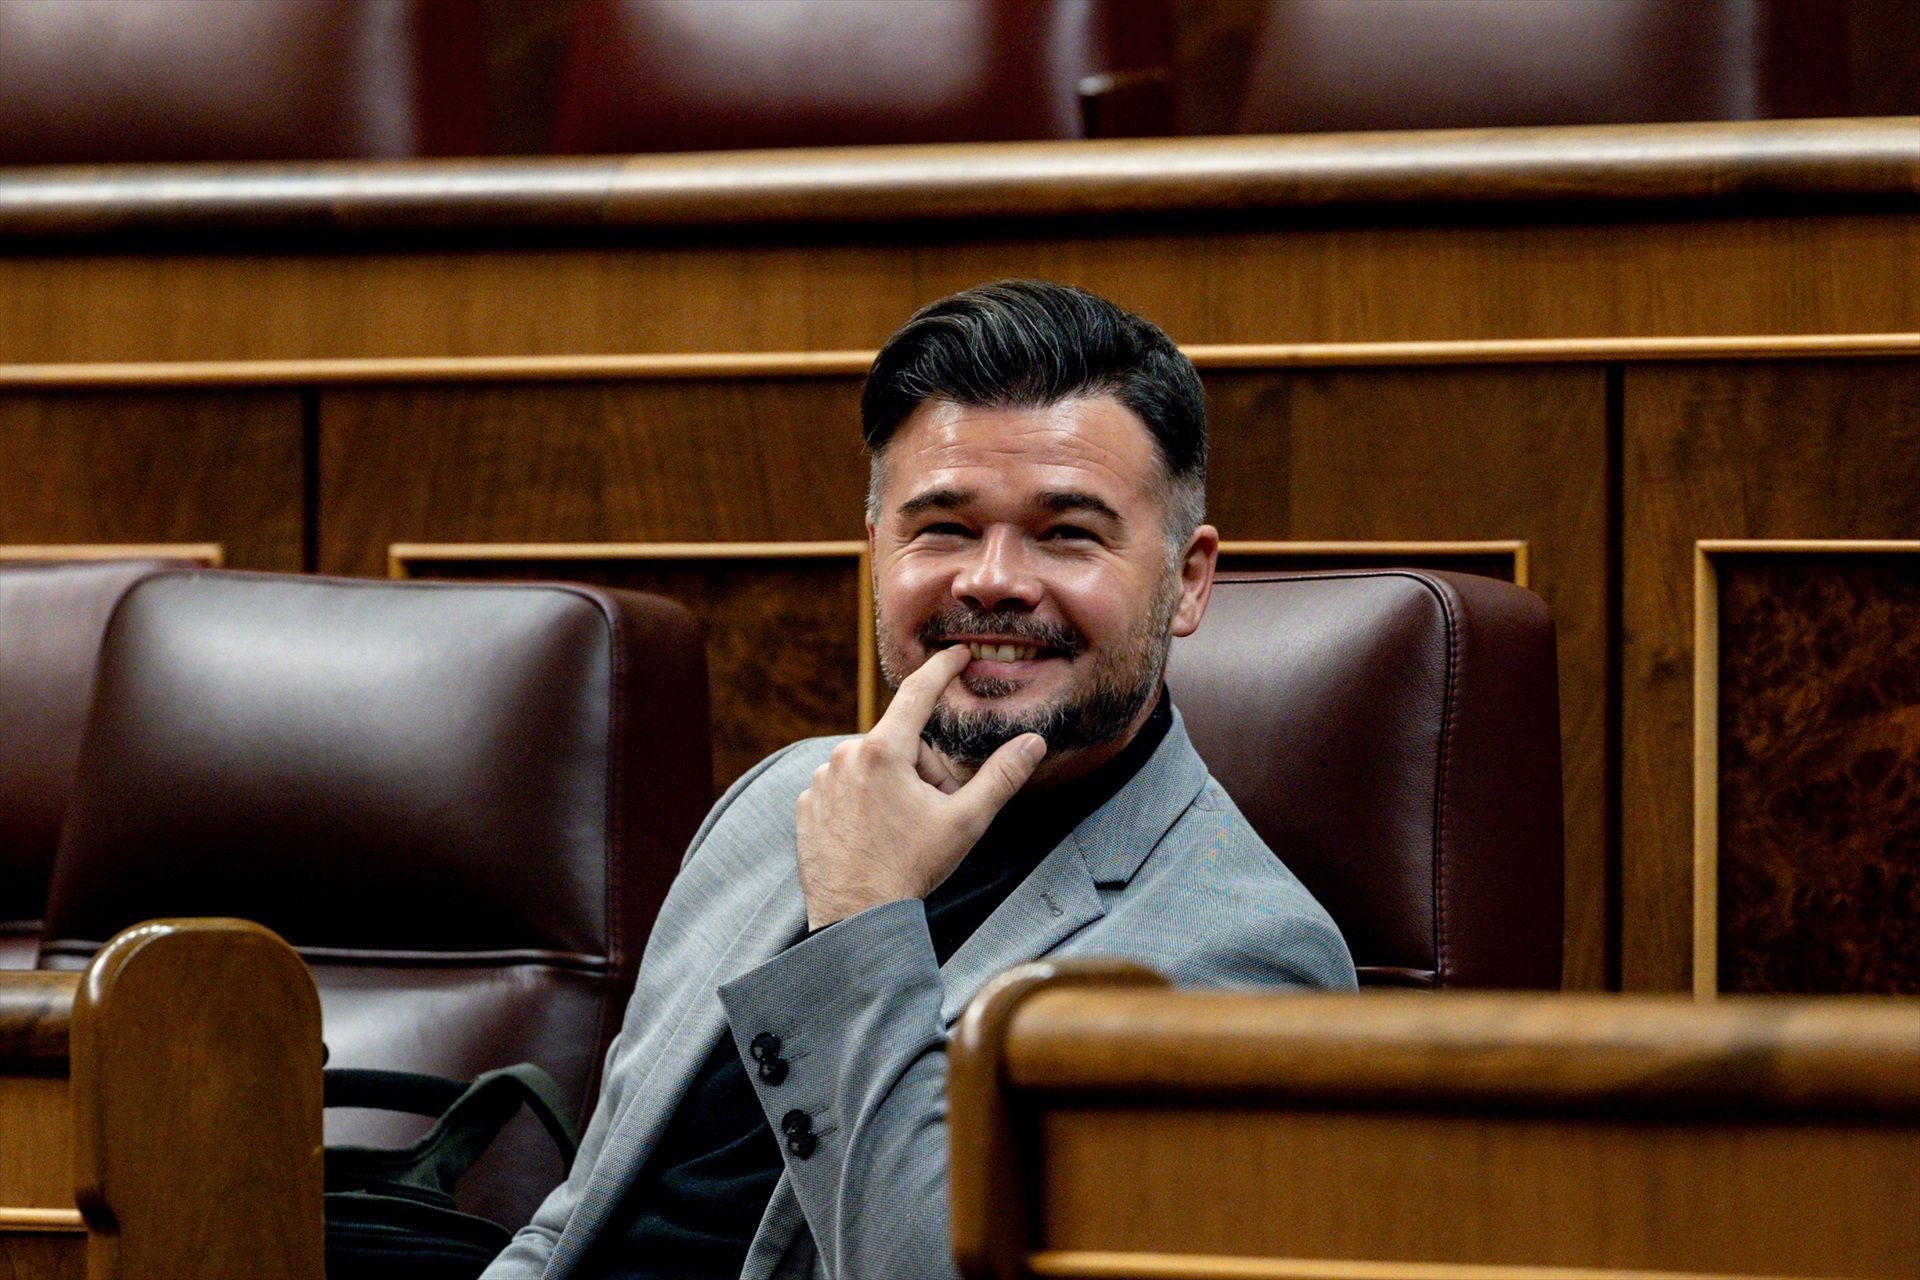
(1003, 652)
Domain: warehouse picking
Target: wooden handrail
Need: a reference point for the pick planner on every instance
(1783, 1056)
(36, 1009)
(1473, 173)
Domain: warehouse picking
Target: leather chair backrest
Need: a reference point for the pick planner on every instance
(1394, 736)
(52, 615)
(687, 75)
(1320, 65)
(462, 803)
(85, 82)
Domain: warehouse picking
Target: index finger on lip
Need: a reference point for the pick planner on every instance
(914, 700)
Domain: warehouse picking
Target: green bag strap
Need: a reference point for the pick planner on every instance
(464, 1130)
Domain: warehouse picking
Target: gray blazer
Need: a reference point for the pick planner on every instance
(1167, 873)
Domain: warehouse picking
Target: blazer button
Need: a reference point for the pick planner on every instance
(766, 1045)
(802, 1144)
(796, 1121)
(773, 1070)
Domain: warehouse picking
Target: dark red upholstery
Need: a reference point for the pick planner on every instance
(686, 75)
(1438, 64)
(461, 803)
(52, 615)
(1394, 735)
(85, 82)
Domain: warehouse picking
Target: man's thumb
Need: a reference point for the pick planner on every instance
(1004, 773)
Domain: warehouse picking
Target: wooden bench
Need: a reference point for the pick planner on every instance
(1106, 1126)
(160, 1112)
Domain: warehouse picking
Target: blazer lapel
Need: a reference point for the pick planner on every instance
(1062, 896)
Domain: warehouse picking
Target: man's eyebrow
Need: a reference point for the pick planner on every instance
(935, 500)
(1074, 500)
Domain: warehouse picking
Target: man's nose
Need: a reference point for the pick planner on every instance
(998, 573)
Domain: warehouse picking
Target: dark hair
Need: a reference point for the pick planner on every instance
(1030, 344)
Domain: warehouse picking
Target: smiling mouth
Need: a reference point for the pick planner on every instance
(1003, 652)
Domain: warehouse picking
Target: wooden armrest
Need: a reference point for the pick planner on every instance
(162, 1110)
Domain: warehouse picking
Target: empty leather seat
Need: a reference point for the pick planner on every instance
(1321, 65)
(461, 803)
(684, 75)
(84, 82)
(52, 615)
(1394, 736)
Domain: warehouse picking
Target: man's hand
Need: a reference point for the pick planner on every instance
(886, 817)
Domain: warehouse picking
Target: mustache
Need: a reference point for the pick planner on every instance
(961, 620)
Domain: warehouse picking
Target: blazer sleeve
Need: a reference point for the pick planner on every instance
(527, 1254)
(857, 1010)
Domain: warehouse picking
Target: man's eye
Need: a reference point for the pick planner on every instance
(946, 529)
(1070, 532)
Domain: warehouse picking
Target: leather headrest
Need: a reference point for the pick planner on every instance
(386, 767)
(1394, 737)
(52, 616)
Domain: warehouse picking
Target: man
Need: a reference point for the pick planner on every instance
(775, 1103)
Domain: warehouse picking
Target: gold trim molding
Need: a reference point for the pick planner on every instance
(211, 554)
(721, 365)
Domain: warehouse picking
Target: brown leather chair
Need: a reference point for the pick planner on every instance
(684, 75)
(84, 82)
(52, 615)
(1321, 65)
(462, 803)
(1394, 735)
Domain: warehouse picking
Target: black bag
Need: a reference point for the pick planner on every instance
(390, 1213)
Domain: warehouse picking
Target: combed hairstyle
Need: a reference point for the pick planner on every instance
(1030, 344)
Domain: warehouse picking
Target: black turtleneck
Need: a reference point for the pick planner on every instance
(692, 1212)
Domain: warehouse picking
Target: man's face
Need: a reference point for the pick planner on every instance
(1038, 536)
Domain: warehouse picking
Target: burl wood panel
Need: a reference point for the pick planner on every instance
(1721, 450)
(740, 460)
(155, 466)
(782, 638)
(1450, 455)
(1820, 773)
(1762, 1199)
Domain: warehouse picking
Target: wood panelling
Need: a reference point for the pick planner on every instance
(1344, 282)
(694, 329)
(1829, 450)
(43, 1255)
(155, 467)
(1450, 455)
(1817, 875)
(768, 460)
(1506, 561)
(1812, 1199)
(785, 633)
(36, 1174)
(1265, 1132)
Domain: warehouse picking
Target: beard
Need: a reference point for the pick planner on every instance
(1114, 690)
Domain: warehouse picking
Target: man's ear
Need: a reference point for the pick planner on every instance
(1197, 564)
